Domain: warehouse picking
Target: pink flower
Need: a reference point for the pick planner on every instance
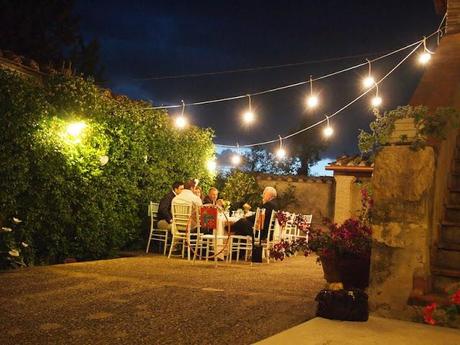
(428, 313)
(455, 298)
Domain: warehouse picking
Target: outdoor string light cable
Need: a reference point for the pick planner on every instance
(333, 114)
(225, 99)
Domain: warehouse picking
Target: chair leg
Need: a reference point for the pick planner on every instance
(171, 248)
(165, 244)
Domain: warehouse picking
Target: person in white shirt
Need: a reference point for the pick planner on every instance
(188, 196)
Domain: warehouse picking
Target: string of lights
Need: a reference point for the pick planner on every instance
(232, 98)
(312, 100)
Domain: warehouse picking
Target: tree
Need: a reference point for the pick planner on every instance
(260, 160)
(48, 33)
(307, 147)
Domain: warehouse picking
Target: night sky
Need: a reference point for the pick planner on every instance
(142, 39)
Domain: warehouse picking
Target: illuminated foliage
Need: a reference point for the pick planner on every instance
(86, 195)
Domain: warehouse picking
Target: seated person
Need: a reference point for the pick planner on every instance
(197, 192)
(245, 225)
(164, 208)
(187, 196)
(211, 198)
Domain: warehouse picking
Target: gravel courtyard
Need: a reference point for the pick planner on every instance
(153, 300)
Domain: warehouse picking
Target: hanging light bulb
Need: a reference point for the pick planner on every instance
(369, 81)
(236, 159)
(328, 130)
(312, 100)
(425, 57)
(181, 121)
(281, 152)
(376, 101)
(249, 116)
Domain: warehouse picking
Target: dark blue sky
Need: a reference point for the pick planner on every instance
(142, 39)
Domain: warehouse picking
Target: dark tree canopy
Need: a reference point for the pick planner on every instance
(49, 32)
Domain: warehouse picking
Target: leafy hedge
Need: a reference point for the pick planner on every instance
(70, 203)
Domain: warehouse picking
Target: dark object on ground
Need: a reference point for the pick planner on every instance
(345, 305)
(257, 253)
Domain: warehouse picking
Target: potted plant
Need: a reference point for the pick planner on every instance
(343, 251)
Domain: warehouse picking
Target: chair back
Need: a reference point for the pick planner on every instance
(258, 223)
(181, 213)
(153, 212)
(272, 228)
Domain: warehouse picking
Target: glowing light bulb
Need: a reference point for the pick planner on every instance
(248, 117)
(74, 129)
(212, 166)
(368, 82)
(328, 131)
(312, 101)
(236, 159)
(376, 101)
(181, 122)
(281, 153)
(424, 58)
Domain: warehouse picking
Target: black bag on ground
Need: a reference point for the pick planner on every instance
(257, 253)
(345, 305)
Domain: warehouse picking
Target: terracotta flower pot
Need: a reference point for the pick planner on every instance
(351, 270)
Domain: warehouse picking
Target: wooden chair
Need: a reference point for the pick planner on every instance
(158, 235)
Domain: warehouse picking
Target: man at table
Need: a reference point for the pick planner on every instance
(211, 198)
(245, 225)
(187, 196)
(164, 208)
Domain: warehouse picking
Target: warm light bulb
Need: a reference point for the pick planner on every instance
(328, 131)
(376, 101)
(424, 58)
(181, 122)
(212, 166)
(236, 159)
(74, 129)
(312, 101)
(248, 117)
(368, 81)
(281, 153)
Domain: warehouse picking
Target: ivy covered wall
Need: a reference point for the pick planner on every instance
(71, 200)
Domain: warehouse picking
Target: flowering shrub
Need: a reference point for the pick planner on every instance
(302, 222)
(443, 314)
(353, 237)
(14, 250)
(282, 218)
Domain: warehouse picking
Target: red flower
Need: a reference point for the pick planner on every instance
(428, 313)
(455, 298)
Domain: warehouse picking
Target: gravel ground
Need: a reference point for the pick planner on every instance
(153, 300)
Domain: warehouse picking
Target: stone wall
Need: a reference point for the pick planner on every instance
(403, 187)
(315, 195)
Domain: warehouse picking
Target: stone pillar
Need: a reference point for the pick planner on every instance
(343, 197)
(402, 190)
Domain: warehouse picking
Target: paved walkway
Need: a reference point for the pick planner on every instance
(153, 300)
(377, 331)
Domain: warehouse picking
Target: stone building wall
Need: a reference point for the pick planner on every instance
(314, 195)
(403, 189)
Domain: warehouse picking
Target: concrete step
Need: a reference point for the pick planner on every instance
(452, 213)
(445, 280)
(448, 259)
(454, 181)
(453, 197)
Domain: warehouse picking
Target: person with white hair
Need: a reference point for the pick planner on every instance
(269, 203)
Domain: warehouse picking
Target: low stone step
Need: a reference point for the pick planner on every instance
(444, 280)
(433, 297)
(450, 245)
(454, 181)
(447, 259)
(452, 213)
(453, 197)
(450, 232)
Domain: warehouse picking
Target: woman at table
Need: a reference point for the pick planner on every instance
(245, 225)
